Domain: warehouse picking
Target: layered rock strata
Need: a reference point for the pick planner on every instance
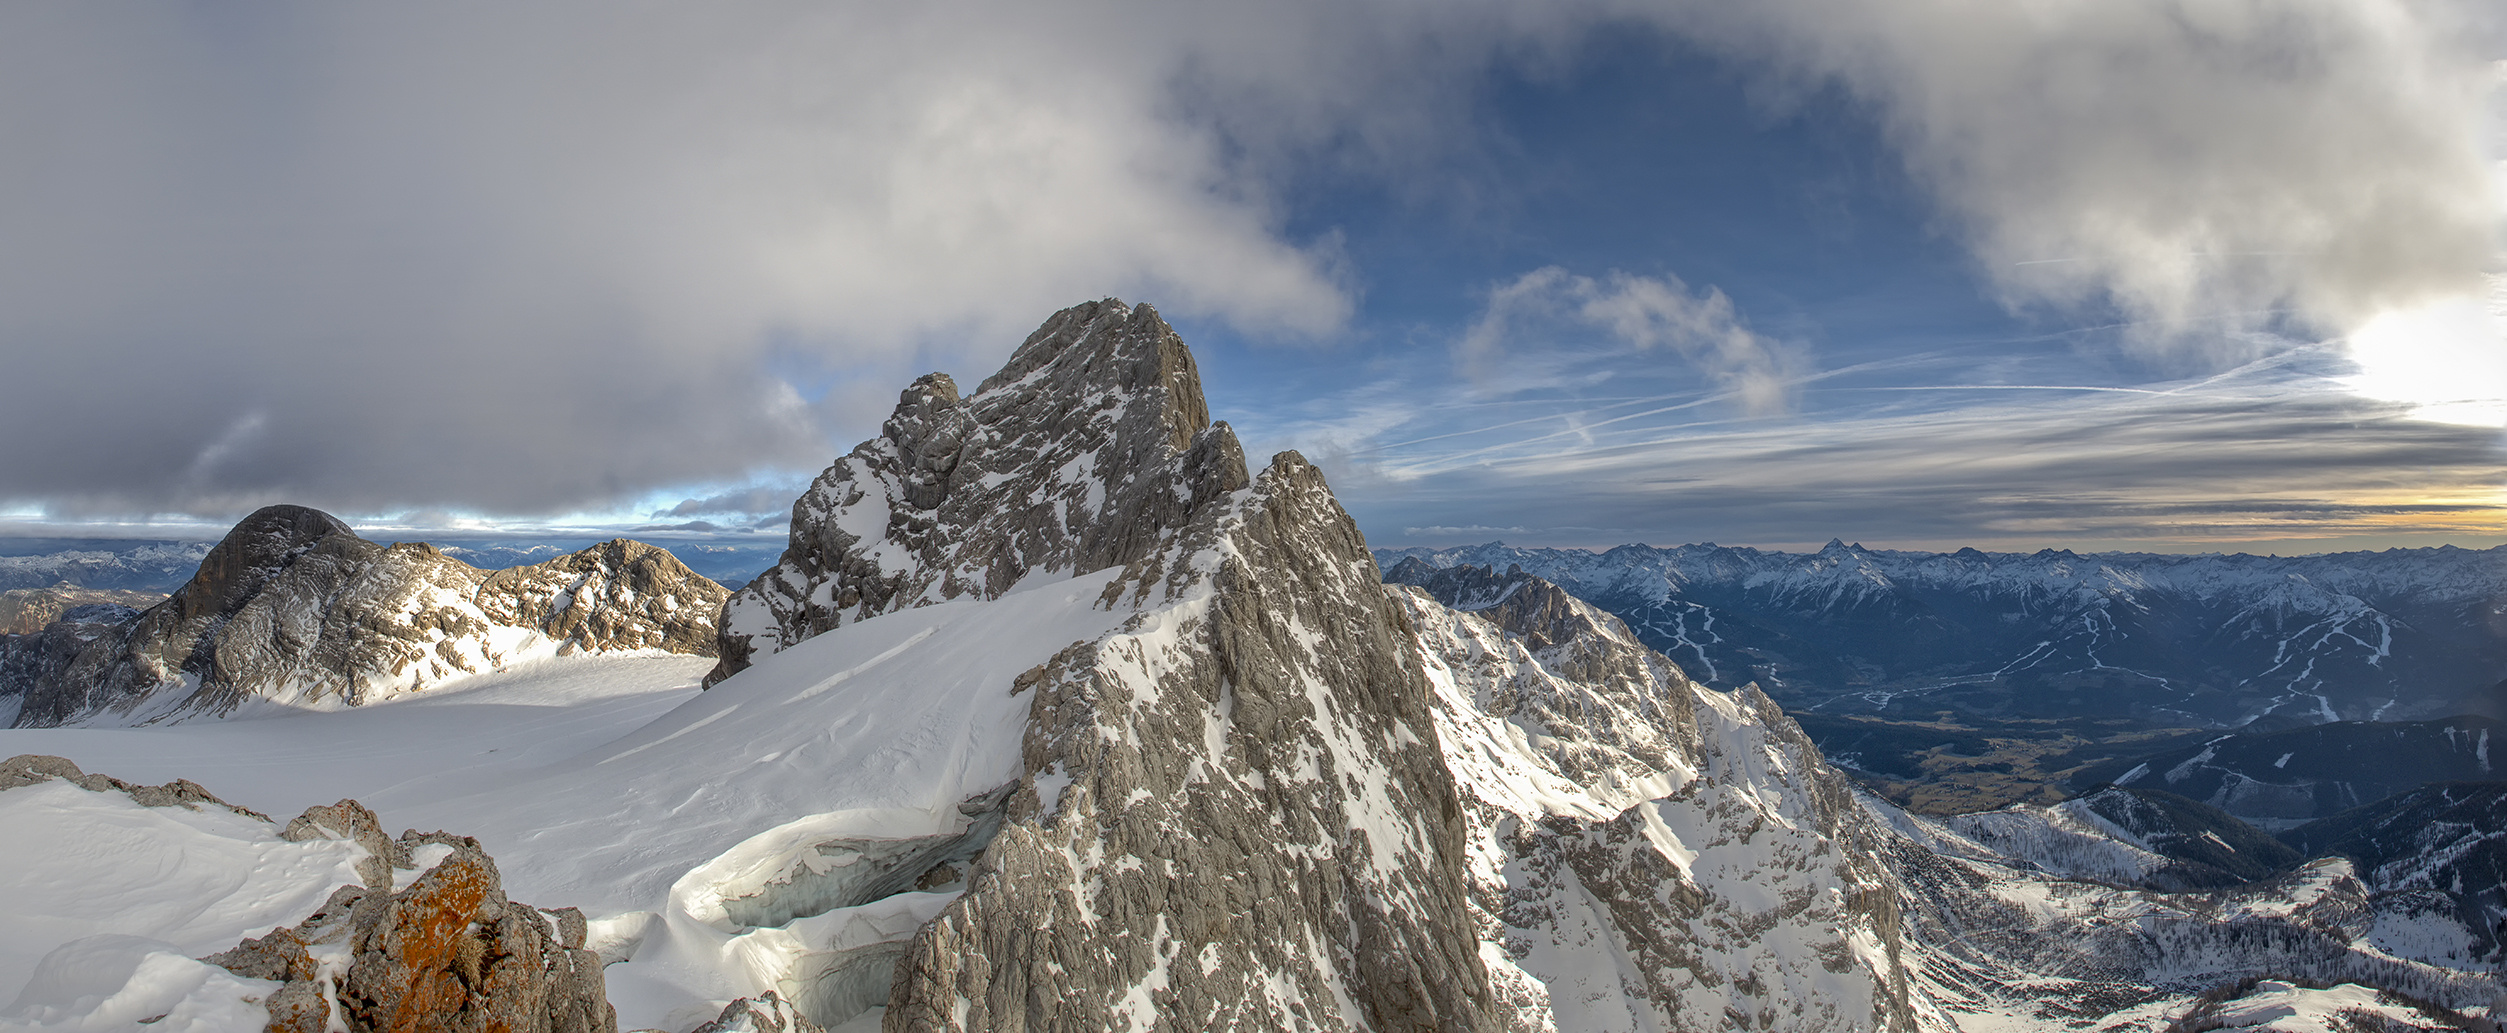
(294, 607)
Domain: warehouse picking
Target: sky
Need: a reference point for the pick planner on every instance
(2166, 275)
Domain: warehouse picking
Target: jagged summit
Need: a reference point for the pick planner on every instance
(294, 606)
(1088, 449)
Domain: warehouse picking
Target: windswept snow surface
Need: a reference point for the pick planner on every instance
(472, 734)
(105, 904)
(604, 783)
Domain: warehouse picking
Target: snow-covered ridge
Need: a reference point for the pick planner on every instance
(1646, 853)
(293, 610)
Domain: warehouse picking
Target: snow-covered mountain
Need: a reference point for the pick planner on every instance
(2442, 847)
(1022, 736)
(2283, 779)
(2206, 640)
(2123, 837)
(294, 609)
(158, 566)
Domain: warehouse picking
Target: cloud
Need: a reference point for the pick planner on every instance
(550, 259)
(531, 260)
(774, 499)
(1994, 476)
(2195, 163)
(1643, 313)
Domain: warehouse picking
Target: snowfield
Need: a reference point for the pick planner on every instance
(605, 783)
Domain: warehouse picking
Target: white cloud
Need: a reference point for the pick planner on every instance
(2197, 163)
(1643, 313)
(526, 259)
(529, 258)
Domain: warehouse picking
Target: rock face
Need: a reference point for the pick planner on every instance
(1090, 449)
(1647, 853)
(1234, 814)
(294, 607)
(42, 658)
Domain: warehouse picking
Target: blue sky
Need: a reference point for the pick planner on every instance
(2158, 274)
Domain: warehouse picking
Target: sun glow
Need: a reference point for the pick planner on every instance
(2447, 360)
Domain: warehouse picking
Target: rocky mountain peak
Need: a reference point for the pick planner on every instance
(1089, 449)
(257, 548)
(295, 607)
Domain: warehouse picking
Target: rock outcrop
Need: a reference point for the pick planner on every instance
(294, 607)
(428, 943)
(445, 951)
(1090, 449)
(30, 768)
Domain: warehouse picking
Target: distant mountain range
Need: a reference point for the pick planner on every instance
(109, 564)
(163, 566)
(2154, 640)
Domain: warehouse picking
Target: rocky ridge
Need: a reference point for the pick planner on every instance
(1154, 746)
(293, 607)
(1699, 806)
(1281, 795)
(1087, 450)
(1233, 813)
(1648, 853)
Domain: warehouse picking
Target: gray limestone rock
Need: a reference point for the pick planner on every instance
(1234, 813)
(1087, 451)
(1235, 817)
(351, 821)
(44, 655)
(292, 606)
